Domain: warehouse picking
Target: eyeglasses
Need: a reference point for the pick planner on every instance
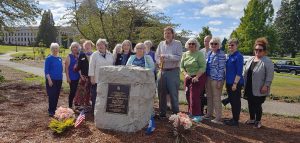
(192, 44)
(231, 45)
(214, 43)
(258, 50)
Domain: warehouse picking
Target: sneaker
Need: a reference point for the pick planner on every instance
(197, 119)
(232, 123)
(216, 121)
(258, 124)
(250, 122)
(206, 117)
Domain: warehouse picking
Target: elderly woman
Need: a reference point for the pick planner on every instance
(258, 75)
(215, 71)
(54, 76)
(123, 57)
(82, 97)
(140, 59)
(234, 80)
(101, 57)
(193, 67)
(72, 73)
(148, 51)
(117, 50)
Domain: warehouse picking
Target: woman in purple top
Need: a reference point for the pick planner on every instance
(72, 73)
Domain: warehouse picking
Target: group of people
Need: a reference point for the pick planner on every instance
(205, 71)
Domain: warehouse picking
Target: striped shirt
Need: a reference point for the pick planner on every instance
(172, 53)
(215, 67)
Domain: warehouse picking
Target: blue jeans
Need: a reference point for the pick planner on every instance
(94, 95)
(168, 83)
(53, 95)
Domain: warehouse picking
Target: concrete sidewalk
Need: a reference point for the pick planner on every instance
(272, 107)
(4, 60)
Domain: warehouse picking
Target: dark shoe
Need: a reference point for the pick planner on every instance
(232, 123)
(250, 122)
(51, 115)
(257, 124)
(225, 101)
(160, 117)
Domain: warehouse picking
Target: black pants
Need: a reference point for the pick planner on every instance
(235, 100)
(73, 89)
(255, 108)
(53, 95)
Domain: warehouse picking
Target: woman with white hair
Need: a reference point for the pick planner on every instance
(140, 59)
(117, 50)
(72, 73)
(101, 57)
(193, 66)
(215, 71)
(148, 44)
(54, 75)
(123, 57)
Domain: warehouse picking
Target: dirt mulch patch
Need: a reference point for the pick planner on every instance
(24, 118)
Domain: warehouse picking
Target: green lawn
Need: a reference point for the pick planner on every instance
(286, 87)
(28, 51)
(6, 49)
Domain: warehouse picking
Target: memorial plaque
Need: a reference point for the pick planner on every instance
(117, 98)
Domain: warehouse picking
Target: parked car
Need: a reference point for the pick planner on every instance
(246, 58)
(286, 66)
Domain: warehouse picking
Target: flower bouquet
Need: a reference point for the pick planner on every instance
(63, 119)
(182, 125)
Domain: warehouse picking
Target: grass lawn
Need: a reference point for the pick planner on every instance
(286, 87)
(5, 49)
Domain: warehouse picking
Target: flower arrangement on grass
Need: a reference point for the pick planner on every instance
(63, 119)
(182, 125)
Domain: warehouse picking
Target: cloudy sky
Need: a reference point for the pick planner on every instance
(222, 16)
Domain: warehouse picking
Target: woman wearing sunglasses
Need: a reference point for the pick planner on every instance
(258, 75)
(193, 68)
(215, 71)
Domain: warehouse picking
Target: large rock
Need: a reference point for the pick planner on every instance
(142, 89)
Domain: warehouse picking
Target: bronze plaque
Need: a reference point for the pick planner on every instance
(117, 98)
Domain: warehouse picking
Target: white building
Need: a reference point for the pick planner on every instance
(27, 35)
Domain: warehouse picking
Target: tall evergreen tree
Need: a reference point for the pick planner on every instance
(47, 32)
(256, 22)
(287, 25)
(205, 31)
(224, 43)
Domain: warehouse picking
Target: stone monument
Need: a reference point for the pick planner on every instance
(125, 96)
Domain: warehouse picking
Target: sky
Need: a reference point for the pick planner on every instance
(222, 16)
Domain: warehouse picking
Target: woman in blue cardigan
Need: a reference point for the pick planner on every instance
(140, 59)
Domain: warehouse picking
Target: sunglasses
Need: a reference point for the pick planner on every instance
(192, 44)
(258, 50)
(231, 45)
(214, 43)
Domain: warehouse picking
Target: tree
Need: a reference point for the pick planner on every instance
(47, 32)
(13, 13)
(287, 23)
(256, 22)
(224, 43)
(117, 20)
(205, 31)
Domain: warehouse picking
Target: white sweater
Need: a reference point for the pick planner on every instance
(97, 60)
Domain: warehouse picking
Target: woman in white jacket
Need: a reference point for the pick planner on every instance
(101, 57)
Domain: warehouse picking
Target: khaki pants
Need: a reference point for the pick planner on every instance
(214, 98)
